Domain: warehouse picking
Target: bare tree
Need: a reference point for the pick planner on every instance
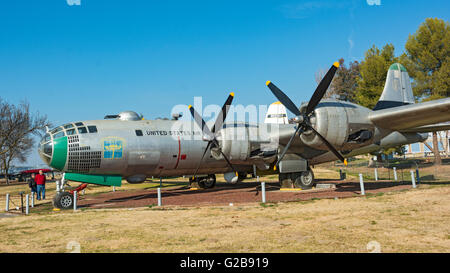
(17, 126)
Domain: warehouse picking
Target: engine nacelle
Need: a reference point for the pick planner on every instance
(345, 125)
(234, 143)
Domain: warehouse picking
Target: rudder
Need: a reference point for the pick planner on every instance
(397, 89)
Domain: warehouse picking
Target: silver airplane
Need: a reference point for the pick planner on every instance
(125, 146)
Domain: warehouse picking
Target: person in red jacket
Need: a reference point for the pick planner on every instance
(40, 181)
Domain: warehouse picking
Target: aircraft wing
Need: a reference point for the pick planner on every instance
(428, 128)
(414, 117)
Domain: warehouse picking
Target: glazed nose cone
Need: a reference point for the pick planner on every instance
(53, 150)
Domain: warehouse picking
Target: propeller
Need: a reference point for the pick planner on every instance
(210, 135)
(303, 119)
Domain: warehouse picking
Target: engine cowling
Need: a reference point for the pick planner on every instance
(331, 121)
(234, 143)
(343, 124)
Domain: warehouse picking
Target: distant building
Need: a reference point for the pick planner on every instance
(421, 150)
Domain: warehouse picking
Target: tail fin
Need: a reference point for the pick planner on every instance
(397, 89)
(276, 114)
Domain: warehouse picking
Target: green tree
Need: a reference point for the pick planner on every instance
(343, 86)
(427, 59)
(372, 74)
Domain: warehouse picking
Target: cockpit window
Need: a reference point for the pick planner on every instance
(82, 130)
(67, 126)
(71, 132)
(58, 135)
(79, 124)
(57, 129)
(46, 138)
(92, 129)
(139, 132)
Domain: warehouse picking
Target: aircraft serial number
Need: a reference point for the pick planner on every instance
(171, 133)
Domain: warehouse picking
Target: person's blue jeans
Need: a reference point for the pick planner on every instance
(40, 190)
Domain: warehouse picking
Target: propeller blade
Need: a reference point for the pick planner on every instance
(200, 122)
(201, 159)
(223, 114)
(285, 100)
(321, 88)
(289, 144)
(332, 149)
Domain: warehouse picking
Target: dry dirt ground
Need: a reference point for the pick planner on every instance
(402, 221)
(392, 217)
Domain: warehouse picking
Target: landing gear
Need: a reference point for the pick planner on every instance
(63, 200)
(206, 182)
(302, 180)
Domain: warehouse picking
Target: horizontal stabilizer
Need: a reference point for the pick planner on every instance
(406, 117)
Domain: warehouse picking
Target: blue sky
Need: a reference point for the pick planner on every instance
(83, 61)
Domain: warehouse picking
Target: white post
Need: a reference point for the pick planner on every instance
(395, 173)
(7, 202)
(114, 188)
(27, 204)
(413, 179)
(75, 200)
(376, 174)
(32, 199)
(263, 191)
(159, 197)
(361, 183)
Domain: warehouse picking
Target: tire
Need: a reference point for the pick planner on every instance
(285, 180)
(63, 200)
(242, 176)
(304, 180)
(208, 182)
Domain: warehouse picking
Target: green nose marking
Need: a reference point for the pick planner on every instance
(59, 153)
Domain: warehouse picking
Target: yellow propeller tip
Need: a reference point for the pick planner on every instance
(336, 64)
(345, 162)
(190, 106)
(232, 94)
(267, 82)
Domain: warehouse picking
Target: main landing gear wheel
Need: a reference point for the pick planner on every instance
(304, 180)
(301, 180)
(206, 182)
(63, 200)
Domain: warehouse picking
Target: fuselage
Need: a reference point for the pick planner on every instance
(136, 149)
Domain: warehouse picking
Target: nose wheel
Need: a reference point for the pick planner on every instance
(63, 200)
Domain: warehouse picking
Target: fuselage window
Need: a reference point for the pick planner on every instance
(71, 132)
(139, 132)
(82, 130)
(79, 124)
(92, 129)
(58, 135)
